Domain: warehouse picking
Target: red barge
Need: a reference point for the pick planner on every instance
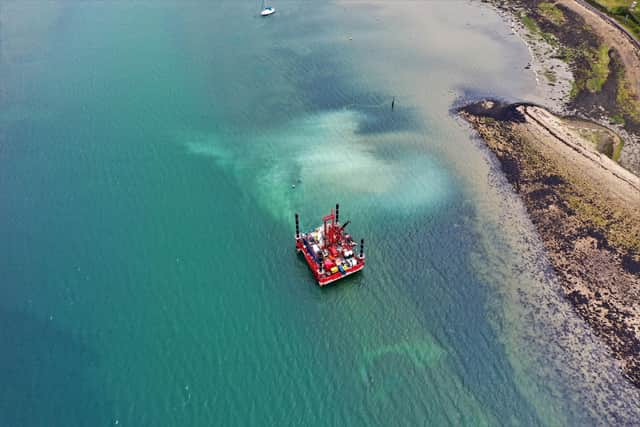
(329, 252)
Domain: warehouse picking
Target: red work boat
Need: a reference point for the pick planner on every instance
(329, 251)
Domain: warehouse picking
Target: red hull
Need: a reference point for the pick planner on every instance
(326, 278)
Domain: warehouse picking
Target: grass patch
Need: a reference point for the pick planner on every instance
(619, 229)
(587, 210)
(533, 28)
(604, 141)
(551, 12)
(610, 4)
(599, 70)
(575, 90)
(567, 54)
(617, 119)
(621, 11)
(617, 150)
(530, 24)
(593, 68)
(628, 104)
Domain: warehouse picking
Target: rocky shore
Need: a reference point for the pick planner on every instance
(576, 161)
(586, 208)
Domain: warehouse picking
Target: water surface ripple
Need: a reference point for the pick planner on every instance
(148, 154)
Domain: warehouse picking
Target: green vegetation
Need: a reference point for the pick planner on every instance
(575, 90)
(617, 151)
(610, 4)
(614, 224)
(599, 70)
(583, 198)
(566, 54)
(593, 64)
(587, 211)
(604, 140)
(530, 24)
(618, 119)
(594, 77)
(622, 12)
(551, 12)
(628, 104)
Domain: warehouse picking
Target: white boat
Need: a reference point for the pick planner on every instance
(267, 10)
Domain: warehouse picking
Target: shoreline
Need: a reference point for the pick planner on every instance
(554, 95)
(584, 207)
(573, 158)
(562, 62)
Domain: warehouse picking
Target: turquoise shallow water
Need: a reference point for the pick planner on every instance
(149, 277)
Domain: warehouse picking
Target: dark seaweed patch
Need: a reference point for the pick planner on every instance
(631, 264)
(497, 110)
(553, 180)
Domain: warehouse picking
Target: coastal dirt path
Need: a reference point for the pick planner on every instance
(553, 136)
